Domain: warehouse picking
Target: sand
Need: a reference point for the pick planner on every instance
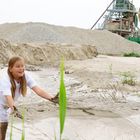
(47, 53)
(90, 116)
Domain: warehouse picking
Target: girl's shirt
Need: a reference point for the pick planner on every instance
(5, 87)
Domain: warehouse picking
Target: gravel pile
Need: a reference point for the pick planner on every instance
(105, 41)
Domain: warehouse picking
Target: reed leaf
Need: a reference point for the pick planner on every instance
(11, 129)
(23, 129)
(62, 99)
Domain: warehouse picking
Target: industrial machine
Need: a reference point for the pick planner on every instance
(121, 18)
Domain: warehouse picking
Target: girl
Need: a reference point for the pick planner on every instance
(14, 83)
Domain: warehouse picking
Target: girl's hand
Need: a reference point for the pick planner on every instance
(10, 111)
(15, 112)
(55, 99)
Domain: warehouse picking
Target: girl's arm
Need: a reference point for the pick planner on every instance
(10, 101)
(42, 93)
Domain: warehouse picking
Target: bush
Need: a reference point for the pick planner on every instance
(128, 78)
(131, 54)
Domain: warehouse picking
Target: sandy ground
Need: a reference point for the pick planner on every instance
(95, 111)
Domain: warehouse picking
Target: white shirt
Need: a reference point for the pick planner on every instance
(5, 89)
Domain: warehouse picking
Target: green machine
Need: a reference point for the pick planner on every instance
(121, 18)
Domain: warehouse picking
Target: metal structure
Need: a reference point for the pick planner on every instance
(121, 19)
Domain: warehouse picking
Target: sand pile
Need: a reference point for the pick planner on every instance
(5, 51)
(105, 41)
(45, 53)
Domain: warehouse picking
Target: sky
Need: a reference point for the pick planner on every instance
(77, 13)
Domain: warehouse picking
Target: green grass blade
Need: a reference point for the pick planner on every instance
(54, 134)
(62, 99)
(23, 129)
(11, 130)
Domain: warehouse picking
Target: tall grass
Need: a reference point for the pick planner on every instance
(23, 129)
(11, 129)
(62, 99)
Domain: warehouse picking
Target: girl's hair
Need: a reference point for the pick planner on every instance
(23, 85)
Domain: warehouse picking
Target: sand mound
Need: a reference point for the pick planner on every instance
(46, 53)
(105, 41)
(5, 51)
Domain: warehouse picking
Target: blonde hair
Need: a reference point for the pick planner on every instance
(23, 83)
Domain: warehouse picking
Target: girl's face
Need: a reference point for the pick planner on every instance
(18, 69)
